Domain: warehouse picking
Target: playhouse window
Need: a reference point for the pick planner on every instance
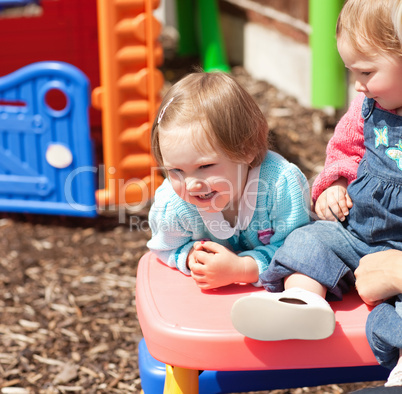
(20, 8)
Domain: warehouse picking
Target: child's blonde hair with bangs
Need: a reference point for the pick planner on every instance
(368, 24)
(228, 114)
(397, 19)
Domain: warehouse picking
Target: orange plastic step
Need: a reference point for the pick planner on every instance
(128, 97)
(137, 165)
(137, 136)
(137, 27)
(136, 55)
(137, 5)
(139, 81)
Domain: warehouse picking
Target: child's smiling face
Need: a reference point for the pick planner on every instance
(377, 75)
(201, 175)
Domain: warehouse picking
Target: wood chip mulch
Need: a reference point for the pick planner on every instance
(67, 308)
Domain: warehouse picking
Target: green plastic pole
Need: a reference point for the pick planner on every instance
(211, 42)
(188, 42)
(329, 85)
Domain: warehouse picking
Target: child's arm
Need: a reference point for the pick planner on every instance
(344, 151)
(172, 239)
(288, 206)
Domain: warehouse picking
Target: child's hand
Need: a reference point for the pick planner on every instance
(334, 202)
(215, 266)
(190, 258)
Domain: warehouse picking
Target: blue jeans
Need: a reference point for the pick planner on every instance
(330, 253)
(322, 250)
(384, 334)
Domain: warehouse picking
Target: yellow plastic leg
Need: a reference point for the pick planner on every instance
(180, 381)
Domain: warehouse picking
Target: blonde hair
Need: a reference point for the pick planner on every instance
(368, 24)
(397, 19)
(228, 114)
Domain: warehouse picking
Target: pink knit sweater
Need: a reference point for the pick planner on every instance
(345, 149)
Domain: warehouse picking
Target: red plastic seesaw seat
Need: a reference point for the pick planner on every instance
(189, 328)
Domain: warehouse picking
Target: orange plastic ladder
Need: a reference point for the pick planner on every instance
(128, 97)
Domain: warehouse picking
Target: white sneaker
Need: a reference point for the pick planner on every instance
(395, 377)
(274, 316)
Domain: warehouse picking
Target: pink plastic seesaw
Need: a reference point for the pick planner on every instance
(190, 330)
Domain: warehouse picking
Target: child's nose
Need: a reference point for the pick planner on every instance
(193, 184)
(359, 87)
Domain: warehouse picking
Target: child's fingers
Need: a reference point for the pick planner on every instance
(201, 282)
(327, 212)
(339, 203)
(345, 203)
(197, 273)
(333, 204)
(323, 212)
(197, 245)
(319, 212)
(197, 276)
(201, 256)
(335, 214)
(349, 201)
(204, 244)
(333, 210)
(343, 209)
(211, 247)
(204, 285)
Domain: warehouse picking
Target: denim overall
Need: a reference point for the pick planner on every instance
(379, 178)
(377, 192)
(329, 252)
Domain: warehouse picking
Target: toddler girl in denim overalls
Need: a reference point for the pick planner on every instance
(359, 196)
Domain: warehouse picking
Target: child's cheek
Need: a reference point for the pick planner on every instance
(178, 187)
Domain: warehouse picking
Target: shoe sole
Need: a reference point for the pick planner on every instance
(269, 319)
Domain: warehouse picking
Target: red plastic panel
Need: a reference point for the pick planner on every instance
(65, 30)
(190, 328)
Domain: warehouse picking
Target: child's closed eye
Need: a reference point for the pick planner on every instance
(174, 170)
(203, 167)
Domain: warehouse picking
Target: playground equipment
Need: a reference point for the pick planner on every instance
(15, 3)
(46, 163)
(130, 82)
(128, 95)
(327, 69)
(190, 330)
(61, 30)
(200, 32)
(128, 98)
